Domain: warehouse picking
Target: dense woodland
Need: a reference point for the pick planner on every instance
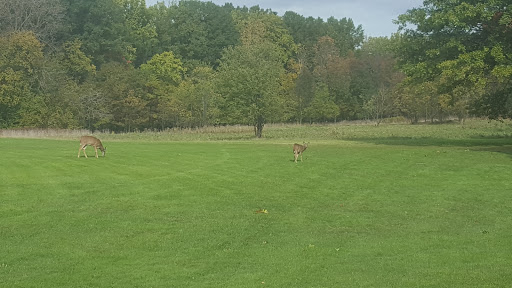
(119, 65)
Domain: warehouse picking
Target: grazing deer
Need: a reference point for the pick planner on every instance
(91, 141)
(298, 150)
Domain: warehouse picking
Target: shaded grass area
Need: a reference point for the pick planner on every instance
(473, 133)
(367, 213)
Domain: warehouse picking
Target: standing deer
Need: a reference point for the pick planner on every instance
(298, 150)
(91, 141)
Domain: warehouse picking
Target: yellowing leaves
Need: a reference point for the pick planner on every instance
(165, 67)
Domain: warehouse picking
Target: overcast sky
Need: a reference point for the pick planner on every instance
(374, 15)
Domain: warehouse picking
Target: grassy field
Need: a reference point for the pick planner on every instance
(387, 206)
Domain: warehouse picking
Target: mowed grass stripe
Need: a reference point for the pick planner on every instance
(183, 214)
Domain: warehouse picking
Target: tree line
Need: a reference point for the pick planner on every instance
(123, 66)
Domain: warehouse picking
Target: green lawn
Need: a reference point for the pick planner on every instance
(403, 206)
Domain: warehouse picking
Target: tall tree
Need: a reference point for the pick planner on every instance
(74, 61)
(195, 31)
(141, 30)
(381, 75)
(329, 73)
(101, 26)
(249, 82)
(304, 91)
(345, 34)
(252, 74)
(193, 101)
(264, 25)
(32, 87)
(307, 31)
(165, 67)
(464, 47)
(126, 97)
(21, 59)
(249, 77)
(322, 107)
(162, 74)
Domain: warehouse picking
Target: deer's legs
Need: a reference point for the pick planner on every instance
(82, 148)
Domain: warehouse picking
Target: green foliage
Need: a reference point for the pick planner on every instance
(39, 112)
(21, 52)
(304, 91)
(248, 80)
(381, 105)
(464, 47)
(12, 88)
(261, 26)
(322, 107)
(165, 67)
(21, 58)
(93, 109)
(307, 31)
(162, 75)
(77, 65)
(141, 30)
(251, 76)
(326, 58)
(119, 65)
(193, 103)
(101, 27)
(196, 31)
(126, 97)
(345, 34)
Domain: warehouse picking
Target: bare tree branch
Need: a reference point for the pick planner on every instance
(43, 17)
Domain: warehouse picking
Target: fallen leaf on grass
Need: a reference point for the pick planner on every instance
(264, 211)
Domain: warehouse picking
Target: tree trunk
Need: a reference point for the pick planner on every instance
(258, 128)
